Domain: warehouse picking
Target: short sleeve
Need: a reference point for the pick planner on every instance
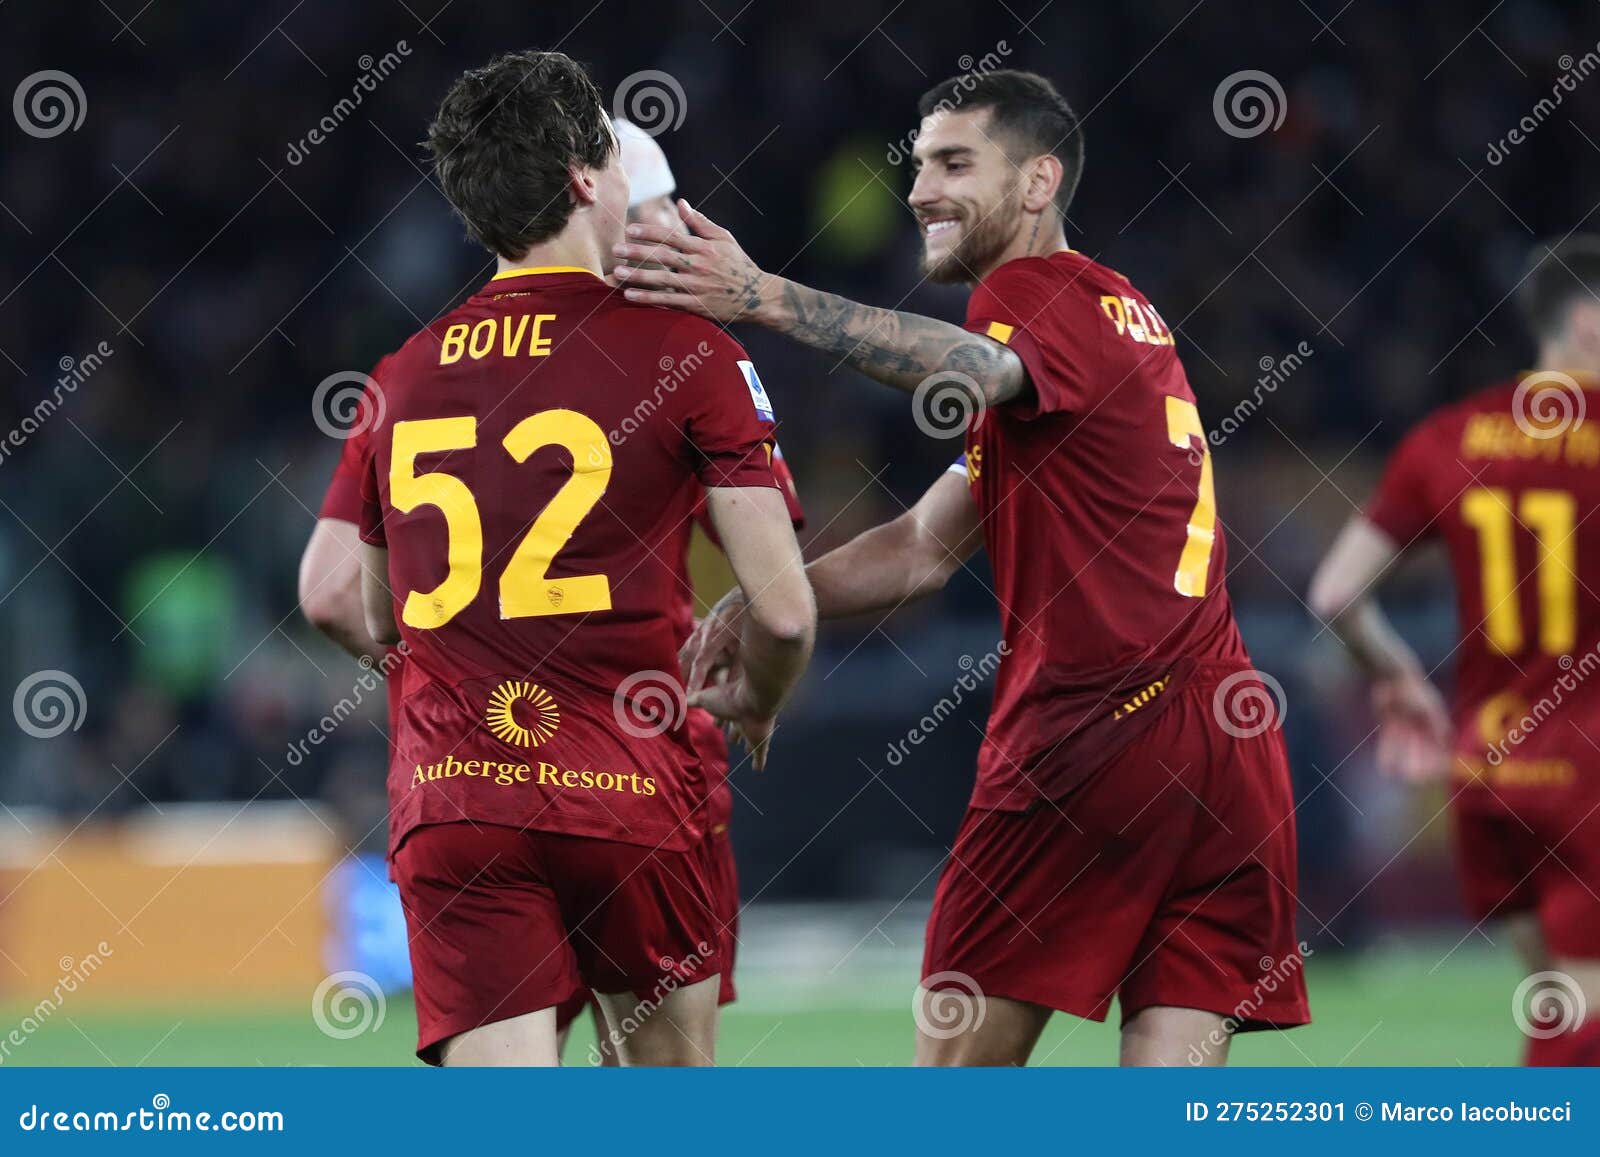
(1404, 506)
(342, 500)
(371, 519)
(1050, 325)
(725, 412)
(791, 493)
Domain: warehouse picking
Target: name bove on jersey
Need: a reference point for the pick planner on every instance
(534, 476)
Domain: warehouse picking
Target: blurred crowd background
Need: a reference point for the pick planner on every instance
(151, 526)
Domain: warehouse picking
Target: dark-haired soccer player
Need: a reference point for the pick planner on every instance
(1509, 479)
(650, 188)
(529, 487)
(1121, 840)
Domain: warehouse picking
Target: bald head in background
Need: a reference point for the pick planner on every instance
(649, 177)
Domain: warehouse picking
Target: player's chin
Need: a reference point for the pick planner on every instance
(942, 267)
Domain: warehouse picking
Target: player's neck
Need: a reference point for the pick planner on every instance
(1039, 238)
(560, 252)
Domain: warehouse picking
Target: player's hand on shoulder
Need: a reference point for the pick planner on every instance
(700, 268)
(1414, 728)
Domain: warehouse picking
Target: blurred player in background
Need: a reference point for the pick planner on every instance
(1123, 839)
(1509, 479)
(650, 198)
(528, 492)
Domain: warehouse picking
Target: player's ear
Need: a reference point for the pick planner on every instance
(583, 185)
(1043, 178)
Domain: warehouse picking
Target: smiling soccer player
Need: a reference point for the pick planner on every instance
(1121, 840)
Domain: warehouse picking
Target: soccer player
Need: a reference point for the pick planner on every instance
(650, 189)
(529, 487)
(1124, 838)
(1508, 479)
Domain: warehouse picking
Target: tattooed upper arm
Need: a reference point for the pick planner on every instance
(900, 349)
(997, 369)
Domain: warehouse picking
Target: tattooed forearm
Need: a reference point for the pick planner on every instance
(898, 349)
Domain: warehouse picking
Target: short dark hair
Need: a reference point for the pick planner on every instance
(1558, 273)
(1026, 109)
(503, 139)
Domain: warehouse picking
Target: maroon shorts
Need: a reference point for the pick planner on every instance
(725, 900)
(1530, 850)
(503, 922)
(724, 879)
(1168, 878)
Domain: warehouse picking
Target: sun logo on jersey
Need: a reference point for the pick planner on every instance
(502, 720)
(1498, 715)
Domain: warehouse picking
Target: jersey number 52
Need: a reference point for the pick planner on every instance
(524, 591)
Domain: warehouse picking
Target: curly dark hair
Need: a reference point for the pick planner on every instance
(502, 142)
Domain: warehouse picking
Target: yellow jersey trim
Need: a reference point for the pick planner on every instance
(1000, 331)
(504, 273)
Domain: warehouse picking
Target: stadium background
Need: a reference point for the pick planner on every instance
(153, 518)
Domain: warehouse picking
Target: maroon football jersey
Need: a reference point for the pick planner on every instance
(342, 499)
(534, 477)
(1100, 521)
(1509, 479)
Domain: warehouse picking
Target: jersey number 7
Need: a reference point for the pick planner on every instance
(1183, 423)
(524, 589)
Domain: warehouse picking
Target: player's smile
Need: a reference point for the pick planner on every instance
(941, 230)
